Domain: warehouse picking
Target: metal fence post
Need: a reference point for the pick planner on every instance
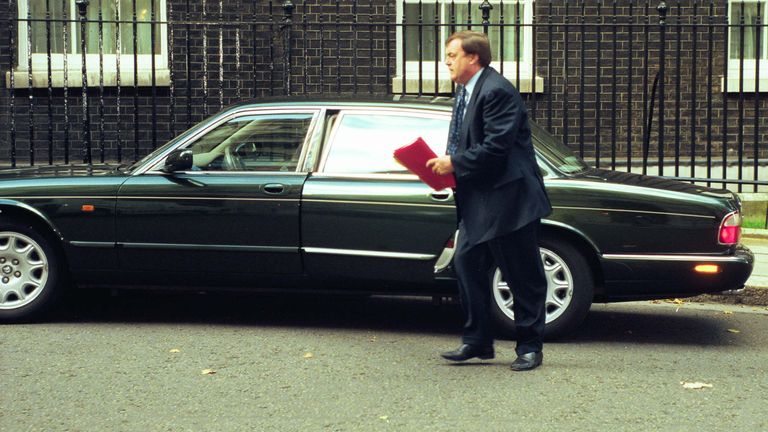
(12, 26)
(662, 8)
(82, 8)
(287, 28)
(486, 7)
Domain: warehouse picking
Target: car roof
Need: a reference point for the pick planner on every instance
(440, 103)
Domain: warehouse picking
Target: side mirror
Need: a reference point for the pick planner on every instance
(178, 160)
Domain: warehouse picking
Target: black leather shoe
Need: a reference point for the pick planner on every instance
(528, 361)
(466, 352)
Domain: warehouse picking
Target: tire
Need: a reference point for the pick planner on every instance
(570, 287)
(29, 273)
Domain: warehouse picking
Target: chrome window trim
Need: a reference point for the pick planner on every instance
(414, 112)
(372, 176)
(152, 167)
(232, 173)
(314, 146)
(634, 211)
(671, 258)
(368, 253)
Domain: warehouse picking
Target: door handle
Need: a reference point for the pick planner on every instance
(274, 188)
(442, 195)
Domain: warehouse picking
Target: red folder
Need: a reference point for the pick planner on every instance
(414, 156)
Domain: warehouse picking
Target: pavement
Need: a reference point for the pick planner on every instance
(231, 362)
(757, 241)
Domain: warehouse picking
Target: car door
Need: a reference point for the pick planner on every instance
(236, 212)
(363, 215)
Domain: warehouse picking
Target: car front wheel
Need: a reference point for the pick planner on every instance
(28, 273)
(569, 290)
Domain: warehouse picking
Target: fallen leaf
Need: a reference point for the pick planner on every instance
(655, 302)
(208, 372)
(385, 418)
(308, 355)
(734, 331)
(695, 385)
(175, 350)
(678, 301)
(727, 312)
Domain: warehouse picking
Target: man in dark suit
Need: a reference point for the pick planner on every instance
(500, 200)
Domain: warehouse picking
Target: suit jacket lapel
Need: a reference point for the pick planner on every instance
(470, 109)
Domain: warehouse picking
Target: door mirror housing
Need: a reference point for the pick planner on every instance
(178, 160)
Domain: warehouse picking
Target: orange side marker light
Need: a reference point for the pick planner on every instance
(87, 208)
(707, 268)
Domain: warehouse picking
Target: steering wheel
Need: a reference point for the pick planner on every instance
(232, 161)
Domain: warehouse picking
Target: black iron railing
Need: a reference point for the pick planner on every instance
(660, 87)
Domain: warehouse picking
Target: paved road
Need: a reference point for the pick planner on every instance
(316, 364)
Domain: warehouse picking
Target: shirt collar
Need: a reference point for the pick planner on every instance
(471, 83)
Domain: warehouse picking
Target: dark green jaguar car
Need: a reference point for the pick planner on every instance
(305, 195)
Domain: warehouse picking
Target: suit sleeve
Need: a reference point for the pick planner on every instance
(500, 115)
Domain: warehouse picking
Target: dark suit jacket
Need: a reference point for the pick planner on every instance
(498, 184)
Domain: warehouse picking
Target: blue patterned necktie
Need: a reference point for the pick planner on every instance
(458, 118)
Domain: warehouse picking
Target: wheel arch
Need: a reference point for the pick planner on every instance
(22, 212)
(579, 240)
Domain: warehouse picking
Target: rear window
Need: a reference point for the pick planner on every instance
(363, 143)
(555, 152)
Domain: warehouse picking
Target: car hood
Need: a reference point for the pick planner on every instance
(48, 171)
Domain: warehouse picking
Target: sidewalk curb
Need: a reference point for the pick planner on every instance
(750, 296)
(754, 233)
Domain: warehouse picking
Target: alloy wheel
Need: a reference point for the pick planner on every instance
(559, 287)
(23, 270)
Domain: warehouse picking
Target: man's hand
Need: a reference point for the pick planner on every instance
(441, 165)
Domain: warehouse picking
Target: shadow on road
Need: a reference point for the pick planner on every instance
(407, 314)
(651, 325)
(614, 323)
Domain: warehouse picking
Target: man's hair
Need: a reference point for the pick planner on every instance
(473, 42)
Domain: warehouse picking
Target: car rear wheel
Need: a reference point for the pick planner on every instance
(28, 273)
(569, 290)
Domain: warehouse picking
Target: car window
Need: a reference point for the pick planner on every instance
(264, 142)
(555, 152)
(364, 142)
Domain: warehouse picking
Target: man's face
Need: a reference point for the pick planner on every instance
(462, 65)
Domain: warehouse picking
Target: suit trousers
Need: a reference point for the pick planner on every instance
(517, 255)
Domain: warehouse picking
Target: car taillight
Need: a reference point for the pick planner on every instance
(451, 243)
(730, 229)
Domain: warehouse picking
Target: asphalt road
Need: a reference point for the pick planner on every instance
(225, 362)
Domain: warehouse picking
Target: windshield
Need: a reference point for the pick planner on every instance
(555, 152)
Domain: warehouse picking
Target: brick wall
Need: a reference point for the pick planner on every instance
(350, 47)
